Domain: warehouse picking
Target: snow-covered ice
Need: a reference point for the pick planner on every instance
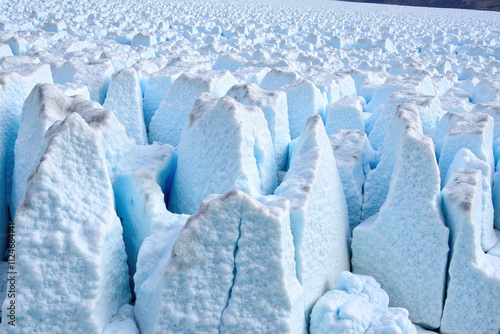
(70, 254)
(315, 116)
(224, 145)
(405, 246)
(234, 257)
(473, 279)
(358, 305)
(319, 215)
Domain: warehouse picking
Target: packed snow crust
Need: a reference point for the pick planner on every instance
(221, 166)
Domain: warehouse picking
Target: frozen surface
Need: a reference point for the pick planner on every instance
(235, 257)
(269, 66)
(353, 154)
(224, 145)
(68, 238)
(405, 247)
(275, 108)
(167, 123)
(358, 305)
(124, 98)
(123, 322)
(318, 213)
(473, 277)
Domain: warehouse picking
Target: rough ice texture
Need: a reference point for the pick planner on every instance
(473, 293)
(358, 305)
(157, 86)
(473, 131)
(345, 114)
(378, 180)
(140, 195)
(168, 121)
(466, 159)
(304, 100)
(230, 270)
(274, 106)
(122, 322)
(46, 105)
(70, 254)
(353, 154)
(15, 85)
(124, 98)
(319, 214)
(95, 74)
(405, 247)
(224, 145)
(420, 84)
(429, 108)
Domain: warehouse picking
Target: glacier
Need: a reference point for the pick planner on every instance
(248, 167)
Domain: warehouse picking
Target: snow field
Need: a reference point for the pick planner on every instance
(213, 166)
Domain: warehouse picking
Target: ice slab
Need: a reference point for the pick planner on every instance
(224, 145)
(235, 257)
(353, 154)
(473, 131)
(405, 246)
(275, 108)
(167, 123)
(473, 277)
(124, 98)
(304, 100)
(69, 242)
(16, 84)
(319, 214)
(466, 159)
(46, 105)
(346, 113)
(429, 108)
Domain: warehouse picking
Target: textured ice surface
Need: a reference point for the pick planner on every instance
(353, 154)
(304, 100)
(224, 145)
(405, 247)
(466, 159)
(358, 305)
(70, 255)
(474, 277)
(124, 98)
(429, 108)
(475, 132)
(318, 212)
(274, 106)
(16, 83)
(47, 105)
(123, 322)
(378, 180)
(345, 114)
(140, 195)
(354, 65)
(234, 257)
(167, 123)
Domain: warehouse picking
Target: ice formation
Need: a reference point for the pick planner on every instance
(358, 305)
(405, 245)
(123, 122)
